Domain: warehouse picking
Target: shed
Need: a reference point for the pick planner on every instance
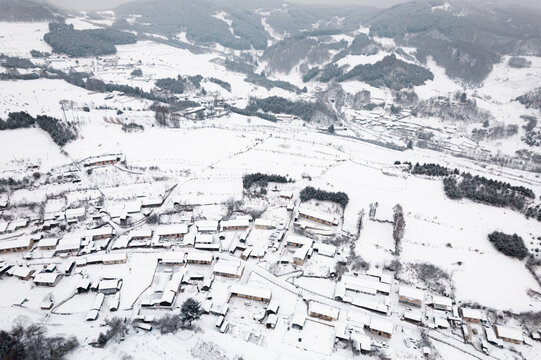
(381, 326)
(411, 295)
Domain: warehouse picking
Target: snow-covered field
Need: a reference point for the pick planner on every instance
(206, 161)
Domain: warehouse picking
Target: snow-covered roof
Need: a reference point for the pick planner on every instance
(411, 293)
(207, 225)
(263, 293)
(3, 226)
(228, 267)
(151, 201)
(103, 231)
(141, 233)
(322, 309)
(48, 242)
(21, 242)
(381, 324)
(263, 222)
(108, 284)
(98, 301)
(133, 206)
(413, 315)
(472, 313)
(20, 271)
(509, 332)
(199, 256)
(442, 301)
(299, 318)
(325, 249)
(172, 257)
(75, 213)
(46, 277)
(366, 284)
(235, 223)
(317, 214)
(299, 240)
(301, 252)
(174, 229)
(441, 322)
(204, 239)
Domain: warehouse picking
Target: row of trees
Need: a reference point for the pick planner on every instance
(488, 191)
(261, 179)
(60, 132)
(399, 226)
(15, 62)
(32, 343)
(279, 105)
(249, 112)
(309, 193)
(223, 84)
(510, 245)
(432, 170)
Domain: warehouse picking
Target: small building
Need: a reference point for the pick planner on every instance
(47, 279)
(246, 254)
(140, 234)
(114, 258)
(23, 243)
(83, 285)
(172, 231)
(442, 303)
(265, 224)
(272, 307)
(100, 233)
(381, 326)
(251, 293)
(323, 218)
(286, 195)
(325, 249)
(3, 226)
(300, 255)
(207, 226)
(151, 202)
(298, 320)
(413, 317)
(21, 272)
(228, 269)
(48, 244)
(411, 296)
(199, 257)
(172, 258)
(472, 315)
(322, 311)
(68, 244)
(235, 225)
(72, 215)
(298, 241)
(509, 334)
(272, 319)
(109, 286)
(102, 160)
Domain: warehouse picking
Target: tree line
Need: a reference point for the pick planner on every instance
(261, 179)
(63, 38)
(279, 105)
(309, 193)
(32, 343)
(60, 133)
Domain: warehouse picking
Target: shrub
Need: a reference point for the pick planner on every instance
(510, 245)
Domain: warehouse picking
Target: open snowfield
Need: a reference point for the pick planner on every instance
(18, 38)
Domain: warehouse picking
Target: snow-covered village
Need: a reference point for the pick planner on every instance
(269, 180)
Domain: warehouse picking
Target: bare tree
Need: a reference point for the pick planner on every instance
(399, 226)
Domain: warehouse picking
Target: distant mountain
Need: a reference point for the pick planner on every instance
(24, 10)
(465, 38)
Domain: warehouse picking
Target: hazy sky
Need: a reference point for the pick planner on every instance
(109, 4)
